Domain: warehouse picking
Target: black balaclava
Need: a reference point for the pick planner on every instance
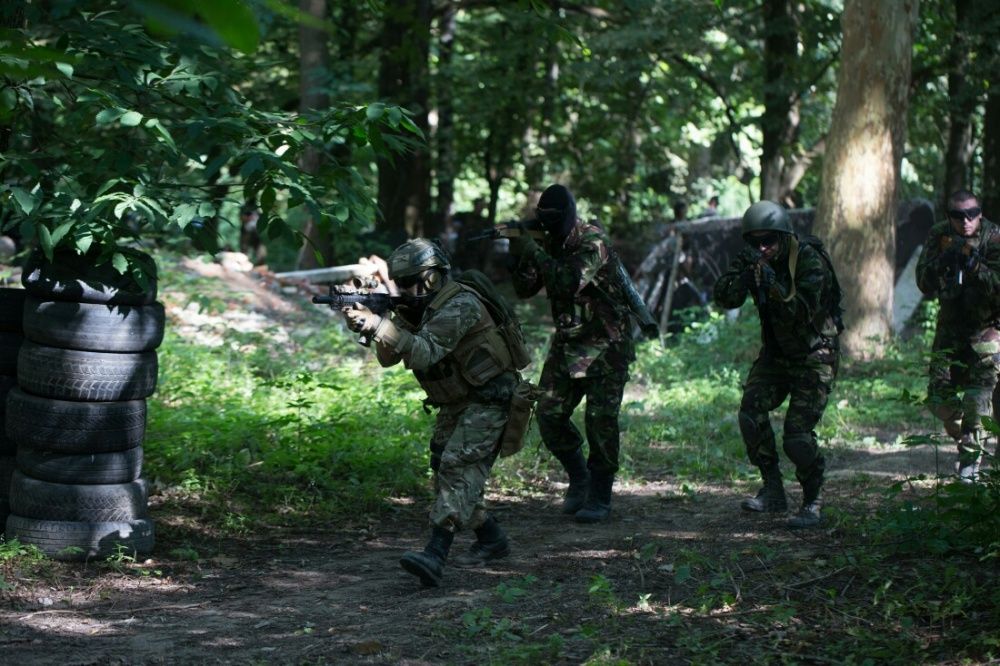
(557, 211)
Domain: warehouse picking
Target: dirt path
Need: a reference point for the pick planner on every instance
(338, 595)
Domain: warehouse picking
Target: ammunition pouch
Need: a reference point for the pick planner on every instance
(522, 406)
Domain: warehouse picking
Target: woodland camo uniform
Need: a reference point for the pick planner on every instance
(446, 336)
(590, 351)
(960, 264)
(799, 356)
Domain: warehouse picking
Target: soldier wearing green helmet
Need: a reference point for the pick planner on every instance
(445, 334)
(792, 283)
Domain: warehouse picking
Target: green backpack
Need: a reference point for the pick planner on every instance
(502, 313)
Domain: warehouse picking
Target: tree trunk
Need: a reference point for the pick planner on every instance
(991, 156)
(404, 180)
(444, 134)
(857, 204)
(780, 122)
(963, 98)
(314, 65)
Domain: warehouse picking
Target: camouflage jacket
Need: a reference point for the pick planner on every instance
(429, 351)
(798, 326)
(587, 304)
(969, 294)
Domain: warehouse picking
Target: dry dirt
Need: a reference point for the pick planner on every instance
(337, 594)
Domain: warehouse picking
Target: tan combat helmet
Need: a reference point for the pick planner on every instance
(418, 260)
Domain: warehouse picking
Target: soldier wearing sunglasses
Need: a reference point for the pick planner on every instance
(792, 283)
(960, 264)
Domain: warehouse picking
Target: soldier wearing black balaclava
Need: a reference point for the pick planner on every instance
(590, 352)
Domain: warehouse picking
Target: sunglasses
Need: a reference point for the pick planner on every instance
(761, 240)
(959, 214)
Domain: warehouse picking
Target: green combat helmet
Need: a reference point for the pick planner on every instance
(766, 216)
(414, 257)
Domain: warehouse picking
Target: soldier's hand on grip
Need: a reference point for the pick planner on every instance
(362, 320)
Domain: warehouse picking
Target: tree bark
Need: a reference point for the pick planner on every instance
(780, 122)
(857, 204)
(314, 66)
(991, 156)
(963, 98)
(404, 179)
(443, 136)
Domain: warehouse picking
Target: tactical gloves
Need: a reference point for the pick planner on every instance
(526, 246)
(362, 320)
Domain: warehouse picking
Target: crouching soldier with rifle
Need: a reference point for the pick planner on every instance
(449, 335)
(795, 289)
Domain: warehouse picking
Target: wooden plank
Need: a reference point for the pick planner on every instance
(331, 274)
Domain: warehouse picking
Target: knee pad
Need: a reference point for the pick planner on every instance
(801, 449)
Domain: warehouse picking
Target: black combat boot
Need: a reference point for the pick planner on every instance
(771, 497)
(579, 478)
(597, 506)
(428, 565)
(490, 544)
(809, 514)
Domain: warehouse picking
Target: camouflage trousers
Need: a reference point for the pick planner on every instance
(561, 395)
(963, 375)
(808, 381)
(464, 447)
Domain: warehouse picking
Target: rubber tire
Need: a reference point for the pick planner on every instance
(67, 374)
(8, 447)
(94, 327)
(96, 503)
(11, 308)
(95, 540)
(94, 468)
(64, 426)
(6, 470)
(72, 277)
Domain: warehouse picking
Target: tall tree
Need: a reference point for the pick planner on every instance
(857, 205)
(963, 97)
(314, 63)
(404, 181)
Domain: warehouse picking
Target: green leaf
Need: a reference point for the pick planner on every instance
(131, 118)
(45, 239)
(108, 116)
(65, 68)
(26, 200)
(342, 212)
(119, 262)
(375, 111)
(233, 21)
(61, 231)
(206, 210)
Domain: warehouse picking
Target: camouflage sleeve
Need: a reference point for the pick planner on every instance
(929, 270)
(566, 276)
(730, 291)
(811, 276)
(442, 331)
(987, 273)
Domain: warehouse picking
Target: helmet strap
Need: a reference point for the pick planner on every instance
(793, 261)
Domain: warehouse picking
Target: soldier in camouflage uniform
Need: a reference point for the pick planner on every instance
(446, 336)
(794, 290)
(960, 264)
(590, 351)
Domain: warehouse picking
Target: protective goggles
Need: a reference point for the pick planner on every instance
(763, 239)
(960, 214)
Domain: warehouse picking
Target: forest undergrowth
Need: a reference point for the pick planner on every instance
(269, 421)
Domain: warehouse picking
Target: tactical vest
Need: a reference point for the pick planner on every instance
(481, 355)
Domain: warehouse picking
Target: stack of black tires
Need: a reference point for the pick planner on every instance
(78, 414)
(11, 308)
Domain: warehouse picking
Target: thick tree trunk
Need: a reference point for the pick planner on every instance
(780, 122)
(314, 64)
(963, 97)
(857, 205)
(991, 156)
(404, 180)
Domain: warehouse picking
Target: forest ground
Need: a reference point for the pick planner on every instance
(677, 575)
